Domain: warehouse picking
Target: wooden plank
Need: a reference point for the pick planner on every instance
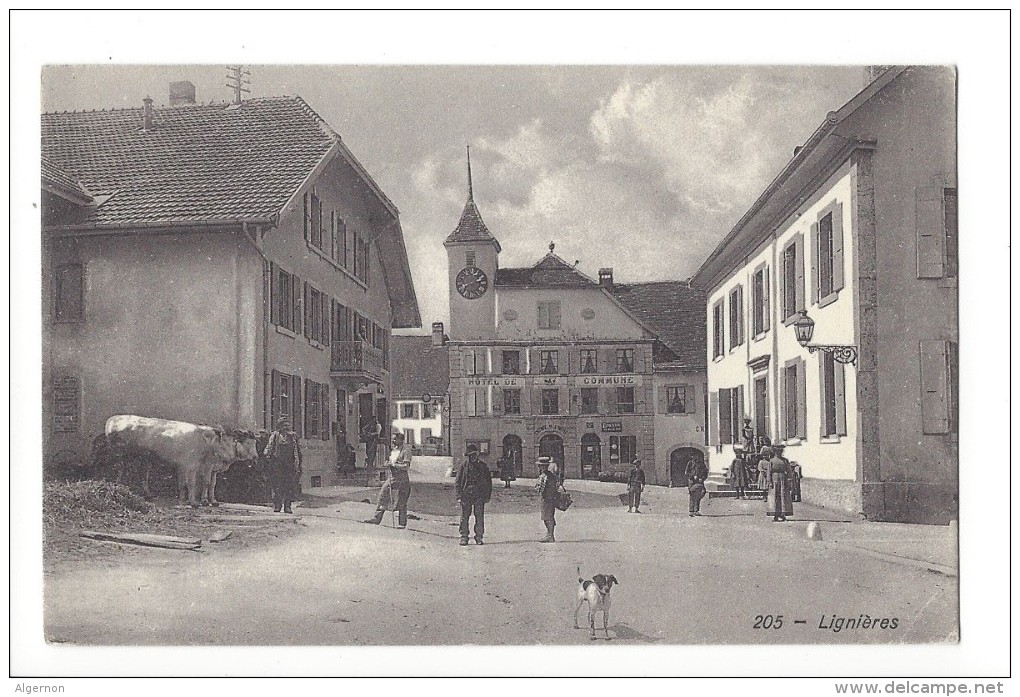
(249, 519)
(167, 541)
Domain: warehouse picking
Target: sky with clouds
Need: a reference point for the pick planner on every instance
(641, 168)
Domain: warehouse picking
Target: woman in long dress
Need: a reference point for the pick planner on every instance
(779, 497)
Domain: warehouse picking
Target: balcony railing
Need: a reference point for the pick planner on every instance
(356, 358)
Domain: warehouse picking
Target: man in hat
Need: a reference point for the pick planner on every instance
(474, 489)
(283, 455)
(635, 485)
(697, 473)
(549, 486)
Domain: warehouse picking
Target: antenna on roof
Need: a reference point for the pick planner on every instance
(237, 81)
(471, 192)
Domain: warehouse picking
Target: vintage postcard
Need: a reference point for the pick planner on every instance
(370, 356)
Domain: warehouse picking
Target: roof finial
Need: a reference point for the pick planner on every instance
(471, 193)
(552, 246)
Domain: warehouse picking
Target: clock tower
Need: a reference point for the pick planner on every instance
(473, 256)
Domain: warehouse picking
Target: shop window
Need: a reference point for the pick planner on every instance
(622, 449)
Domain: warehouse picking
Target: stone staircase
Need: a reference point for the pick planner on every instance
(718, 487)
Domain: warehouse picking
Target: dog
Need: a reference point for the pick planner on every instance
(596, 593)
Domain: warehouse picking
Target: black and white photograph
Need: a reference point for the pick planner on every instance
(444, 364)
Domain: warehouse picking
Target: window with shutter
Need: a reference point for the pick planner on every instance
(625, 400)
(589, 400)
(794, 421)
(713, 417)
(296, 310)
(950, 213)
(589, 361)
(511, 401)
(930, 224)
(550, 401)
(725, 415)
(297, 422)
(736, 316)
(936, 400)
(790, 306)
(801, 400)
(717, 330)
(308, 309)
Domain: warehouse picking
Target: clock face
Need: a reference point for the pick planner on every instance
(472, 282)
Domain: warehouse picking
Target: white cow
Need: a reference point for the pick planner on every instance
(197, 453)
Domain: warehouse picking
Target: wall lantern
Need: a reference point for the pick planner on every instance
(804, 328)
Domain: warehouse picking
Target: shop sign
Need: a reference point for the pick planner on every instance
(612, 427)
(494, 382)
(597, 380)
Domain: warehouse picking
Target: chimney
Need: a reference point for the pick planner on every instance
(147, 114)
(606, 278)
(182, 92)
(437, 334)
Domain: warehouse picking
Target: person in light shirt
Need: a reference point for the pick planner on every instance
(396, 489)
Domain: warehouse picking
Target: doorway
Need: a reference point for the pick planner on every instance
(551, 445)
(591, 456)
(513, 452)
(678, 460)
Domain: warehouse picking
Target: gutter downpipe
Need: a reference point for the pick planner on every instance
(265, 318)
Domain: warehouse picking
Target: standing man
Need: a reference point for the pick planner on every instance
(697, 473)
(474, 489)
(283, 454)
(506, 470)
(738, 471)
(397, 484)
(635, 485)
(549, 486)
(371, 434)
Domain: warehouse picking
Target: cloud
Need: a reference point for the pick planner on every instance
(707, 148)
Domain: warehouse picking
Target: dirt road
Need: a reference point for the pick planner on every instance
(340, 582)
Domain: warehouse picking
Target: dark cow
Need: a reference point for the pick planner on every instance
(197, 453)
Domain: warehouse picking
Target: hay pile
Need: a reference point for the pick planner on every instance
(90, 502)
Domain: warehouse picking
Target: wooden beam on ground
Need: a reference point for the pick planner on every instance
(144, 539)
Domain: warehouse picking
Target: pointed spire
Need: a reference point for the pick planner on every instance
(471, 191)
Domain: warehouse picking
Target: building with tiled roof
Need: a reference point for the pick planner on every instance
(833, 306)
(217, 263)
(546, 361)
(421, 383)
(675, 312)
